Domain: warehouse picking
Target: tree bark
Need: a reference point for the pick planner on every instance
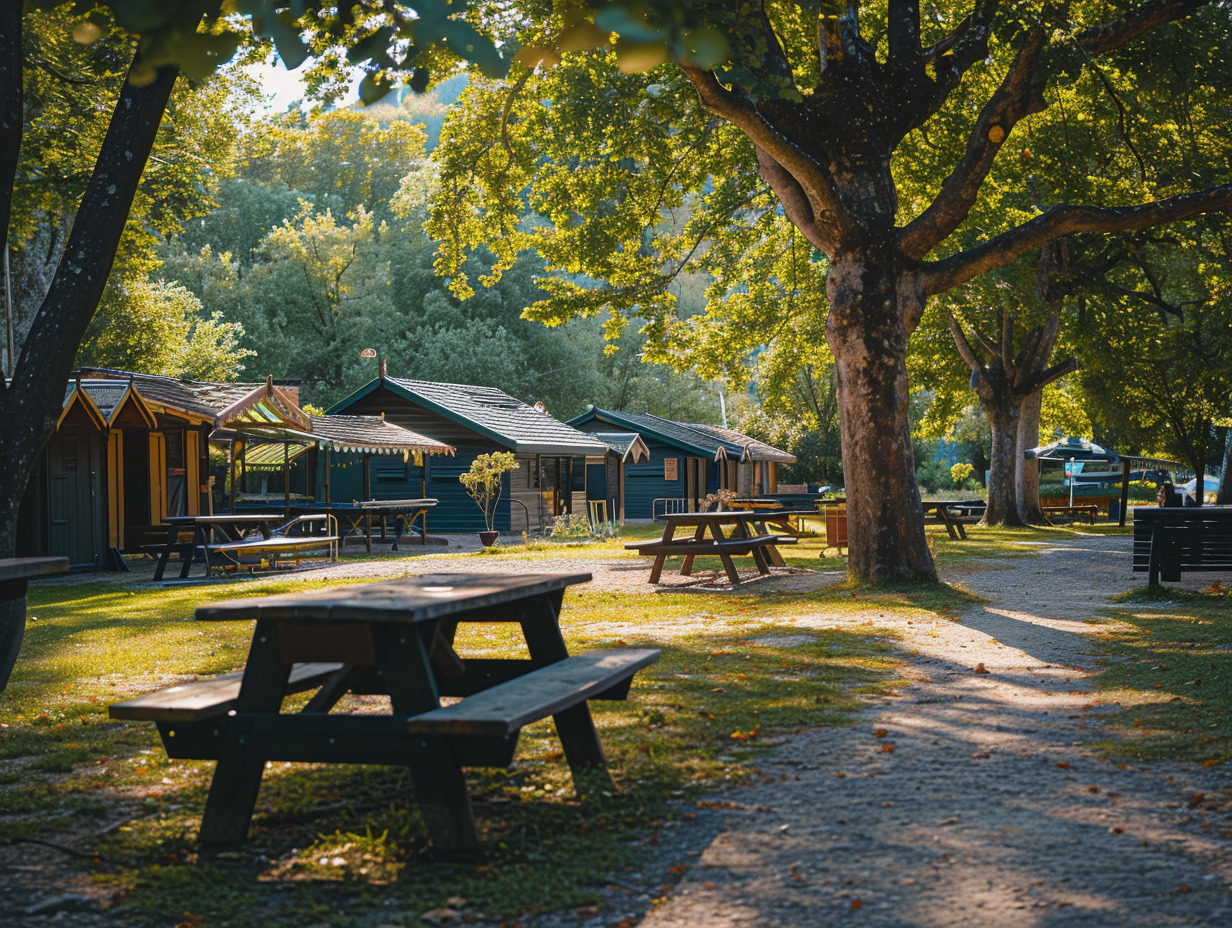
(1002, 477)
(1027, 482)
(868, 337)
(35, 397)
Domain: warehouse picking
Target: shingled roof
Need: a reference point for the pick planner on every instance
(494, 413)
(203, 399)
(754, 450)
(686, 438)
(372, 434)
(627, 445)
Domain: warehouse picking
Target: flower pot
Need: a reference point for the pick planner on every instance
(488, 539)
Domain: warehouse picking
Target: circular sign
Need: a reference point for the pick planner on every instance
(368, 353)
(541, 407)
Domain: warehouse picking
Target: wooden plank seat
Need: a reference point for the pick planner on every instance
(198, 700)
(757, 546)
(503, 709)
(1090, 510)
(1172, 541)
(287, 539)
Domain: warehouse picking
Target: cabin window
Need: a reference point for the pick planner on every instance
(578, 477)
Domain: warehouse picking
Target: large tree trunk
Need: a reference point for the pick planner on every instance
(866, 332)
(1027, 483)
(33, 400)
(1002, 482)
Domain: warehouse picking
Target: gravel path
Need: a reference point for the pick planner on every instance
(988, 809)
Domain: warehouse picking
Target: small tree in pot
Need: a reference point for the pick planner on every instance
(483, 484)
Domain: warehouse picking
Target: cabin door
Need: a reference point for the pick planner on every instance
(115, 489)
(75, 497)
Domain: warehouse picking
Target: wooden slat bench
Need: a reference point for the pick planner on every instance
(1090, 510)
(1174, 540)
(757, 546)
(199, 700)
(283, 540)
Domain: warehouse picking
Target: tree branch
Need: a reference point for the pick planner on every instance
(796, 205)
(944, 275)
(1007, 343)
(903, 31)
(12, 106)
(960, 340)
(1056, 372)
(1011, 101)
(1100, 39)
(812, 177)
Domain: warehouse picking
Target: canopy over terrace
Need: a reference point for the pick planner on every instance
(267, 431)
(1084, 450)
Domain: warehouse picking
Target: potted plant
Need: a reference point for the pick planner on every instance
(483, 485)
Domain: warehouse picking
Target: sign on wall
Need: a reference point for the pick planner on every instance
(669, 468)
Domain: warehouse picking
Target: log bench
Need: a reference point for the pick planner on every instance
(1174, 540)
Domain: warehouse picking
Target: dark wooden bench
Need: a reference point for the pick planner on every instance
(1175, 540)
(1090, 510)
(284, 540)
(758, 546)
(482, 728)
(955, 516)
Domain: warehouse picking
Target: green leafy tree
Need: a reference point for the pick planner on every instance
(483, 481)
(789, 164)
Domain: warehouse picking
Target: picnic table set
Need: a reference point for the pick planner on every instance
(393, 638)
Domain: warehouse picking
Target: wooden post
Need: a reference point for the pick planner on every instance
(328, 492)
(231, 483)
(1125, 462)
(286, 479)
(368, 496)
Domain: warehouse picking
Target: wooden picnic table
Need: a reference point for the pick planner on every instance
(954, 514)
(723, 535)
(1170, 540)
(1090, 510)
(393, 638)
(788, 521)
(356, 517)
(226, 538)
(15, 574)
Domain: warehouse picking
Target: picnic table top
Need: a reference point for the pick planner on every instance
(224, 518)
(23, 568)
(367, 504)
(408, 600)
(722, 517)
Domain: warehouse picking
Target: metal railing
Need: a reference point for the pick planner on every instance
(672, 506)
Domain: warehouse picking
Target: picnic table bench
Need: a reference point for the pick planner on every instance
(710, 540)
(393, 638)
(15, 575)
(356, 518)
(955, 515)
(786, 521)
(1169, 541)
(1090, 510)
(226, 540)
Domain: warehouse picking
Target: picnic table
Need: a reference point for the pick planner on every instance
(226, 537)
(393, 638)
(15, 574)
(786, 521)
(719, 534)
(356, 517)
(954, 514)
(1170, 540)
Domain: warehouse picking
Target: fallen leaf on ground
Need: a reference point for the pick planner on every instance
(980, 668)
(887, 748)
(1063, 765)
(880, 733)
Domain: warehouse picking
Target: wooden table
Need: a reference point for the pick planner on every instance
(1090, 510)
(355, 518)
(789, 521)
(15, 574)
(1174, 539)
(205, 530)
(720, 534)
(954, 514)
(393, 638)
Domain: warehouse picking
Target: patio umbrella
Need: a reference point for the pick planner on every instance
(1071, 449)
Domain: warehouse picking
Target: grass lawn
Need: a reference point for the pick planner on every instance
(334, 845)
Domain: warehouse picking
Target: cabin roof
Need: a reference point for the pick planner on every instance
(690, 440)
(493, 413)
(627, 445)
(754, 450)
(199, 398)
(351, 433)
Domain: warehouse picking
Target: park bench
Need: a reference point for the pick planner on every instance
(1090, 510)
(286, 540)
(762, 548)
(1169, 541)
(955, 515)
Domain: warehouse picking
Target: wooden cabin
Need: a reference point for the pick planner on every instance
(685, 462)
(553, 458)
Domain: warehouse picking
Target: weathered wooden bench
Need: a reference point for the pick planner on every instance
(757, 546)
(282, 541)
(1174, 540)
(1090, 510)
(954, 516)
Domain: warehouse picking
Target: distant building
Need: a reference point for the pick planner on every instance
(553, 458)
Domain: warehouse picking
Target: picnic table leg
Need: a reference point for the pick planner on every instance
(440, 786)
(732, 574)
(686, 569)
(237, 775)
(774, 556)
(162, 561)
(574, 726)
(762, 559)
(962, 530)
(657, 570)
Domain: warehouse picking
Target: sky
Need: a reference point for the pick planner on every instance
(283, 87)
